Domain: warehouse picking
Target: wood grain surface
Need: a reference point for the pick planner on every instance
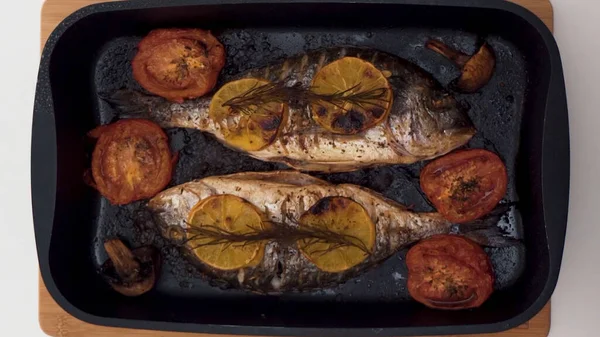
(55, 322)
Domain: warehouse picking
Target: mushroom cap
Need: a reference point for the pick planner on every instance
(477, 71)
(149, 260)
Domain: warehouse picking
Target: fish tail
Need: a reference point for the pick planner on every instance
(134, 104)
(485, 231)
(131, 104)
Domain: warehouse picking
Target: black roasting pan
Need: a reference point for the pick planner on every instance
(521, 114)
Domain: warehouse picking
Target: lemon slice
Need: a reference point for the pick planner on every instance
(233, 215)
(363, 96)
(252, 128)
(342, 216)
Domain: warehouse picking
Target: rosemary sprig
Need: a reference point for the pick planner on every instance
(212, 235)
(216, 236)
(355, 96)
(258, 95)
(279, 92)
(313, 235)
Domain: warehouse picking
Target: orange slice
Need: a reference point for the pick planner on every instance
(252, 128)
(233, 215)
(342, 216)
(362, 96)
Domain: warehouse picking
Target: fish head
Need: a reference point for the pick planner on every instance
(426, 121)
(170, 209)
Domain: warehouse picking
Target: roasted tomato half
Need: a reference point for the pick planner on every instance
(178, 63)
(449, 272)
(465, 185)
(131, 160)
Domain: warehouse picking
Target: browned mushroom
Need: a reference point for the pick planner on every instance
(130, 272)
(476, 69)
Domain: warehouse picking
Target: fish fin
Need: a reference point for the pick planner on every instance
(132, 104)
(281, 176)
(485, 231)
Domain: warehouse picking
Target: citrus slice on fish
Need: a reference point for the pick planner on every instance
(248, 127)
(352, 96)
(344, 234)
(216, 218)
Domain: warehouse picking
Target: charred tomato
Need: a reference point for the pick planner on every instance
(131, 160)
(465, 185)
(449, 272)
(178, 63)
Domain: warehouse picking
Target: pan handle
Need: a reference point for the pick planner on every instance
(556, 165)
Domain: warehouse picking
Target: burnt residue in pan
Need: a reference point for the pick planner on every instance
(495, 110)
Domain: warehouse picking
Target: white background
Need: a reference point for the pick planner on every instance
(575, 304)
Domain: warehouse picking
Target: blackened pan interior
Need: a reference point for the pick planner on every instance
(92, 55)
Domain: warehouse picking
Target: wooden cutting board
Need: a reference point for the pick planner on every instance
(55, 322)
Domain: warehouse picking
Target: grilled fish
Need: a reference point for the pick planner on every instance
(424, 122)
(284, 195)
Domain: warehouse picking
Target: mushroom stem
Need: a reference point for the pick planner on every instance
(459, 58)
(125, 263)
(130, 272)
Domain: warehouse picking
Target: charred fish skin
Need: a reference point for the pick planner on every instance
(425, 120)
(284, 195)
